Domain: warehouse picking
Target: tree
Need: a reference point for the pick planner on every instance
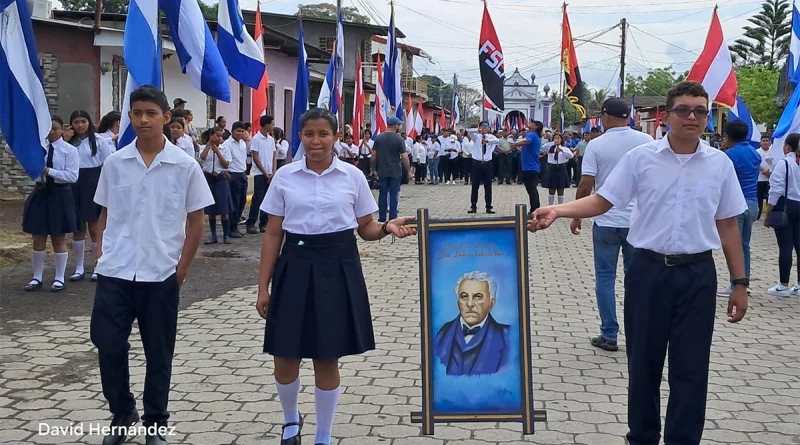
(210, 12)
(328, 11)
(570, 113)
(437, 88)
(595, 99)
(757, 86)
(111, 6)
(657, 82)
(467, 97)
(767, 42)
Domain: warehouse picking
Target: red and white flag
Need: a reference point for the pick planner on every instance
(380, 102)
(409, 123)
(260, 99)
(714, 68)
(418, 124)
(358, 101)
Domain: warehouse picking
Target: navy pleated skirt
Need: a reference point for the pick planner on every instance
(557, 177)
(83, 194)
(221, 191)
(319, 307)
(50, 210)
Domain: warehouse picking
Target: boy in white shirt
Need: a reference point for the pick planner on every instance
(237, 170)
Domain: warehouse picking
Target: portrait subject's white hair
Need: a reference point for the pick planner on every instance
(477, 275)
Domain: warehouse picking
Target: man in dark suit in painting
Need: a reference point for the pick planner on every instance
(474, 343)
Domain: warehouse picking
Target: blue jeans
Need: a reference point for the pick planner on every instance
(745, 221)
(607, 243)
(389, 188)
(434, 168)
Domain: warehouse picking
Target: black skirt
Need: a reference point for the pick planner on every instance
(556, 177)
(221, 191)
(50, 210)
(319, 307)
(83, 194)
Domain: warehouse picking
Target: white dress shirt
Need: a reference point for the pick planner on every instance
(466, 147)
(450, 145)
(66, 164)
(436, 148)
(767, 162)
(601, 156)
(564, 154)
(146, 211)
(238, 151)
(420, 153)
(677, 203)
(211, 164)
(108, 136)
(265, 147)
(313, 204)
(282, 149)
(85, 152)
(778, 180)
(186, 144)
(365, 148)
(442, 145)
(477, 147)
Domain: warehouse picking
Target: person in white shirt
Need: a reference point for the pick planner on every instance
(153, 195)
(452, 148)
(610, 230)
(484, 143)
(419, 155)
(109, 128)
(783, 214)
(349, 151)
(177, 136)
(237, 176)
(216, 158)
(93, 151)
(318, 307)
(265, 159)
(466, 156)
(687, 199)
(50, 209)
(557, 178)
(765, 169)
(365, 152)
(281, 148)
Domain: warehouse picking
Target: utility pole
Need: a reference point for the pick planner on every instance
(623, 25)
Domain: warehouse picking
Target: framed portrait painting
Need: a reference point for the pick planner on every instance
(476, 352)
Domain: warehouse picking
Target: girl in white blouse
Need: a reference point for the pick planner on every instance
(109, 128)
(318, 307)
(557, 180)
(281, 147)
(93, 151)
(215, 157)
(50, 208)
(176, 135)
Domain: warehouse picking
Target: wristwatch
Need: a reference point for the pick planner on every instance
(741, 281)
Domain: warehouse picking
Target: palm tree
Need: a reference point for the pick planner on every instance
(596, 99)
(767, 42)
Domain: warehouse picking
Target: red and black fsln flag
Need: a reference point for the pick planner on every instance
(492, 66)
(572, 74)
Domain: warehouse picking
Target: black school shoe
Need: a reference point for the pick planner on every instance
(294, 440)
(604, 344)
(117, 437)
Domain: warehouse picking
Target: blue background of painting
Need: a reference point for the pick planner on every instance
(494, 393)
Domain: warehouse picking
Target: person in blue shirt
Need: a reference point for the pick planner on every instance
(746, 162)
(529, 160)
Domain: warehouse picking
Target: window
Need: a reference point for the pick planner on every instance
(327, 43)
(122, 80)
(271, 100)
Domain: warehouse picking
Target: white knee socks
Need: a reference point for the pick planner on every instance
(287, 394)
(561, 200)
(79, 248)
(550, 199)
(37, 258)
(61, 265)
(326, 402)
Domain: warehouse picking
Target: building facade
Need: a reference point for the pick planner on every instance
(524, 101)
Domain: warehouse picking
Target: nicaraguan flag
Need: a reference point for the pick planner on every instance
(141, 49)
(24, 115)
(789, 121)
(300, 90)
(588, 127)
(456, 117)
(391, 73)
(739, 112)
(631, 120)
(241, 54)
(794, 48)
(198, 54)
(330, 95)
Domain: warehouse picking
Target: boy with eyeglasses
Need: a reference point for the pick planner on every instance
(687, 199)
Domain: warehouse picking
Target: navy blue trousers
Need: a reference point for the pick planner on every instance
(260, 187)
(668, 307)
(239, 197)
(155, 307)
(481, 174)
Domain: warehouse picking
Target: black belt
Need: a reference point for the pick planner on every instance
(44, 186)
(676, 260)
(481, 162)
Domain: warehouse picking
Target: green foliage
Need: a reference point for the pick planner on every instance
(111, 6)
(656, 83)
(766, 43)
(328, 11)
(209, 11)
(757, 86)
(437, 88)
(570, 113)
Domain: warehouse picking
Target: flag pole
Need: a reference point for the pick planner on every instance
(561, 80)
(341, 93)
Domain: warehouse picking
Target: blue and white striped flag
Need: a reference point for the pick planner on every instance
(198, 54)
(141, 49)
(391, 72)
(794, 48)
(631, 119)
(241, 54)
(300, 92)
(739, 112)
(24, 115)
(330, 95)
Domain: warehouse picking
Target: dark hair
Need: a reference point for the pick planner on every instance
(685, 88)
(278, 134)
(793, 141)
(764, 136)
(90, 131)
(57, 118)
(248, 126)
(736, 131)
(319, 113)
(177, 112)
(238, 125)
(207, 134)
(266, 120)
(367, 130)
(539, 128)
(108, 121)
(219, 118)
(174, 120)
(418, 138)
(555, 146)
(149, 93)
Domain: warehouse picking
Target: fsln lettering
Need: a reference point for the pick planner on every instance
(495, 59)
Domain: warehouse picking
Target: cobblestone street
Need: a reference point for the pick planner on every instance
(223, 390)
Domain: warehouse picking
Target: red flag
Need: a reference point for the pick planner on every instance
(569, 62)
(492, 66)
(380, 101)
(714, 68)
(442, 120)
(409, 124)
(358, 102)
(259, 97)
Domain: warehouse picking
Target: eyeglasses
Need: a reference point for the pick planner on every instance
(683, 111)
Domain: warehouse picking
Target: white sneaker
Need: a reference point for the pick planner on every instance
(726, 292)
(780, 290)
(796, 290)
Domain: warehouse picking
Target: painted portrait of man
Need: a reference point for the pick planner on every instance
(474, 343)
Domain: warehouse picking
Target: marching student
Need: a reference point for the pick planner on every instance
(144, 260)
(318, 285)
(557, 178)
(178, 138)
(484, 143)
(687, 199)
(237, 176)
(281, 148)
(420, 155)
(365, 152)
(222, 123)
(349, 151)
(466, 160)
(216, 158)
(109, 128)
(50, 208)
(265, 159)
(93, 151)
(764, 170)
(435, 156)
